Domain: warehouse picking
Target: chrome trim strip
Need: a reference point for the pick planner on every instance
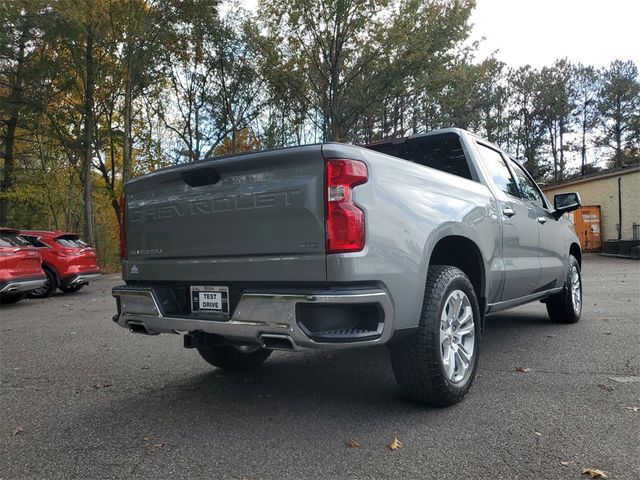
(256, 314)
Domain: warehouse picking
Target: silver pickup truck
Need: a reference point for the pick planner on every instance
(409, 243)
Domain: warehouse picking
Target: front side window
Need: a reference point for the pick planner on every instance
(499, 172)
(528, 190)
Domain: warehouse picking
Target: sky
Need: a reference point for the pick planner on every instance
(537, 32)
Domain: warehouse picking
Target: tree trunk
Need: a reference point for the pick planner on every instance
(12, 123)
(7, 179)
(126, 142)
(618, 132)
(89, 232)
(583, 170)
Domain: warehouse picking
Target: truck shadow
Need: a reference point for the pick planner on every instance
(293, 395)
(330, 382)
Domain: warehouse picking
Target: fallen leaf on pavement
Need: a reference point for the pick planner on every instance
(593, 473)
(18, 431)
(635, 408)
(101, 385)
(352, 443)
(608, 388)
(395, 444)
(523, 369)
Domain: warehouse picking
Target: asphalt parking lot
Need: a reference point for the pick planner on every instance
(83, 398)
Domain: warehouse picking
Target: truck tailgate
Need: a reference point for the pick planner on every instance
(251, 217)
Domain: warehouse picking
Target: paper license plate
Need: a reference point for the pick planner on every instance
(209, 299)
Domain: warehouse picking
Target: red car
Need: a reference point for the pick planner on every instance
(20, 267)
(68, 262)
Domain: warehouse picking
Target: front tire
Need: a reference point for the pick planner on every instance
(436, 366)
(234, 358)
(566, 306)
(49, 286)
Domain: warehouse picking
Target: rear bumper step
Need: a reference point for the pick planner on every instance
(335, 319)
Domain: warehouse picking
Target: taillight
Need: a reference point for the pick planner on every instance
(345, 220)
(68, 253)
(123, 232)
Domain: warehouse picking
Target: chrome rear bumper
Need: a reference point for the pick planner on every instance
(17, 286)
(82, 279)
(258, 318)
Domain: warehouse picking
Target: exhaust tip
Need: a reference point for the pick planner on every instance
(277, 342)
(137, 327)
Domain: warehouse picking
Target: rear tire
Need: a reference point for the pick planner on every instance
(232, 358)
(71, 289)
(437, 365)
(48, 288)
(566, 306)
(13, 298)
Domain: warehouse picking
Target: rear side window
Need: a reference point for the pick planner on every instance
(499, 172)
(11, 239)
(35, 241)
(443, 152)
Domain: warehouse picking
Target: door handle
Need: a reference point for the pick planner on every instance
(542, 220)
(508, 211)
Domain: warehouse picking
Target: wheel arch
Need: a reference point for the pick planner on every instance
(575, 250)
(52, 269)
(462, 252)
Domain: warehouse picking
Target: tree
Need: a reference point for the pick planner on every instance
(554, 101)
(586, 114)
(529, 130)
(20, 47)
(354, 54)
(619, 107)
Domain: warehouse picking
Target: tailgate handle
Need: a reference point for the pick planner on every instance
(200, 177)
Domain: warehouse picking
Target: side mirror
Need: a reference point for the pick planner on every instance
(565, 202)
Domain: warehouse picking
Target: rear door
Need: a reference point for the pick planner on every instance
(520, 241)
(552, 246)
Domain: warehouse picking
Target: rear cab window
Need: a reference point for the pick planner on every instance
(441, 151)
